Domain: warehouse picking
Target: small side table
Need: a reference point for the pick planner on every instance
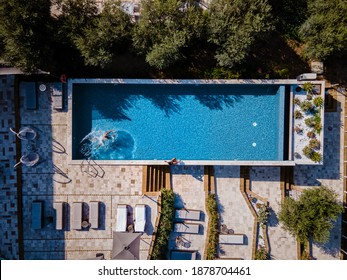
(85, 224)
(131, 228)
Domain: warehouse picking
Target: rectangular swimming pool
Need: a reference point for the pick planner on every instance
(145, 121)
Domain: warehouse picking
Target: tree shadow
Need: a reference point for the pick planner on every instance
(332, 247)
(272, 219)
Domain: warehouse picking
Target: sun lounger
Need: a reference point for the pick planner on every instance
(57, 96)
(187, 214)
(77, 208)
(231, 239)
(183, 255)
(186, 228)
(122, 214)
(59, 215)
(37, 214)
(140, 217)
(30, 96)
(94, 214)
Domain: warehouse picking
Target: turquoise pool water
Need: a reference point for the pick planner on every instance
(189, 122)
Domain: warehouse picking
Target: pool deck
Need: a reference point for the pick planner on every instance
(54, 179)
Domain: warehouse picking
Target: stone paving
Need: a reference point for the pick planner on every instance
(8, 179)
(188, 185)
(265, 181)
(55, 179)
(329, 174)
(234, 212)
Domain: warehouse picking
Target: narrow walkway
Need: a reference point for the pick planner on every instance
(234, 211)
(187, 183)
(265, 181)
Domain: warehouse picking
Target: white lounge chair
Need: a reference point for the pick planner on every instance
(122, 214)
(77, 208)
(94, 214)
(231, 239)
(37, 214)
(140, 217)
(59, 215)
(187, 214)
(187, 228)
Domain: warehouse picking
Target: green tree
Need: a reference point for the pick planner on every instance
(99, 41)
(24, 30)
(312, 215)
(325, 30)
(166, 28)
(76, 15)
(289, 16)
(235, 25)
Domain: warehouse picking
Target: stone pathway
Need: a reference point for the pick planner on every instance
(234, 212)
(265, 181)
(188, 185)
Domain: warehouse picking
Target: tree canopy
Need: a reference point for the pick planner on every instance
(99, 41)
(165, 28)
(24, 31)
(235, 25)
(325, 30)
(312, 215)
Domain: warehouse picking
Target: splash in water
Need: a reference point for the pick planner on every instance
(97, 141)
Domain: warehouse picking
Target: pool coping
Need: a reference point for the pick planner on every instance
(290, 162)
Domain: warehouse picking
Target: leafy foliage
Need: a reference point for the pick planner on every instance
(165, 29)
(234, 26)
(311, 134)
(308, 86)
(76, 16)
(316, 157)
(318, 101)
(325, 30)
(165, 225)
(306, 106)
(298, 114)
(25, 27)
(311, 216)
(104, 36)
(314, 144)
(261, 254)
(307, 151)
(212, 242)
(289, 15)
(263, 214)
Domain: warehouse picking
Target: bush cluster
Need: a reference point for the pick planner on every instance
(212, 241)
(165, 225)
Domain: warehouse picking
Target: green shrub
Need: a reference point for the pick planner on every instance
(298, 130)
(261, 254)
(310, 122)
(296, 101)
(318, 123)
(314, 144)
(311, 134)
(165, 226)
(298, 114)
(306, 256)
(263, 214)
(309, 96)
(318, 101)
(316, 157)
(212, 242)
(307, 151)
(308, 87)
(306, 106)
